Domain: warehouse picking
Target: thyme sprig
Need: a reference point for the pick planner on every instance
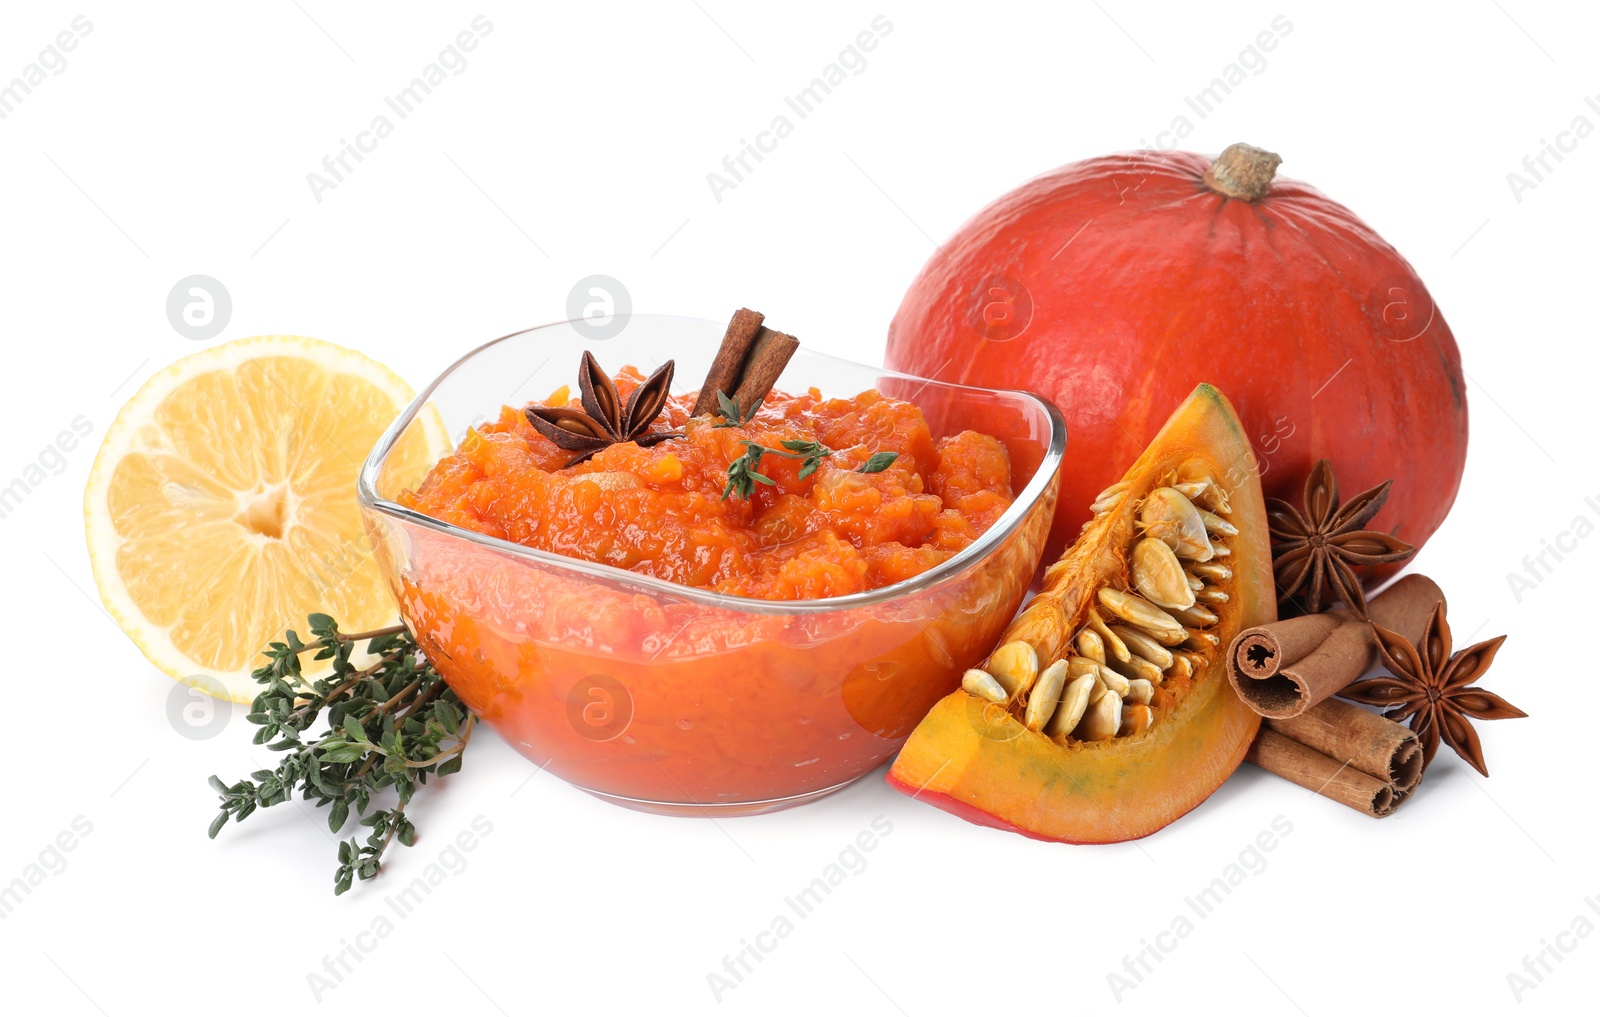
(744, 472)
(390, 725)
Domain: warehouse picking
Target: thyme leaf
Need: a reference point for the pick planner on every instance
(729, 409)
(879, 462)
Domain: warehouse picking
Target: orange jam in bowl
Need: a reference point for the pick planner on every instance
(661, 511)
(626, 626)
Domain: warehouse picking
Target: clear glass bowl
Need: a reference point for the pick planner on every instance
(681, 700)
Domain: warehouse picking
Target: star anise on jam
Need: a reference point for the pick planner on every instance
(1434, 690)
(605, 419)
(1317, 550)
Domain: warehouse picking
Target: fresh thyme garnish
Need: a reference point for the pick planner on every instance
(811, 452)
(390, 725)
(744, 472)
(879, 462)
(744, 475)
(729, 408)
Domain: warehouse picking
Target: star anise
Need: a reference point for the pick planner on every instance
(1434, 690)
(605, 420)
(1324, 544)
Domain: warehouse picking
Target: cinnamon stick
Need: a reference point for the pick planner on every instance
(768, 356)
(1367, 741)
(727, 367)
(1283, 669)
(1326, 776)
(747, 364)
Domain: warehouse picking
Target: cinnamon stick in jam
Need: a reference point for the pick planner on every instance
(747, 364)
(728, 367)
(767, 358)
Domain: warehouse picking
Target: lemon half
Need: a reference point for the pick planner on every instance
(221, 508)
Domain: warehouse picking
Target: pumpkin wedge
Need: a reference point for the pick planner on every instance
(1104, 713)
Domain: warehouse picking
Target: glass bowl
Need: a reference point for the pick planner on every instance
(680, 700)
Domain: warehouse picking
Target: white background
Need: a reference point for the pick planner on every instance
(577, 143)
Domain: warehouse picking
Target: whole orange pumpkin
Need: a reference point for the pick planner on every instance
(1115, 285)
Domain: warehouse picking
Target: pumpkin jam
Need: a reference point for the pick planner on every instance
(659, 698)
(660, 511)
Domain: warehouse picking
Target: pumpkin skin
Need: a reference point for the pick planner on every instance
(974, 759)
(1114, 285)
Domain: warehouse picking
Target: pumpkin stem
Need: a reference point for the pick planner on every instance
(1243, 171)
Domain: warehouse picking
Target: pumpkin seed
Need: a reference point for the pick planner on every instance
(1167, 515)
(1166, 637)
(1196, 584)
(1044, 696)
(1212, 595)
(1077, 667)
(1102, 718)
(1073, 702)
(1140, 691)
(1098, 624)
(1212, 570)
(1221, 550)
(1217, 525)
(1140, 613)
(1159, 575)
(1197, 617)
(1135, 667)
(1182, 667)
(1041, 623)
(1014, 665)
(1143, 646)
(1113, 680)
(1202, 641)
(1136, 720)
(1091, 645)
(981, 683)
(1213, 497)
(1109, 497)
